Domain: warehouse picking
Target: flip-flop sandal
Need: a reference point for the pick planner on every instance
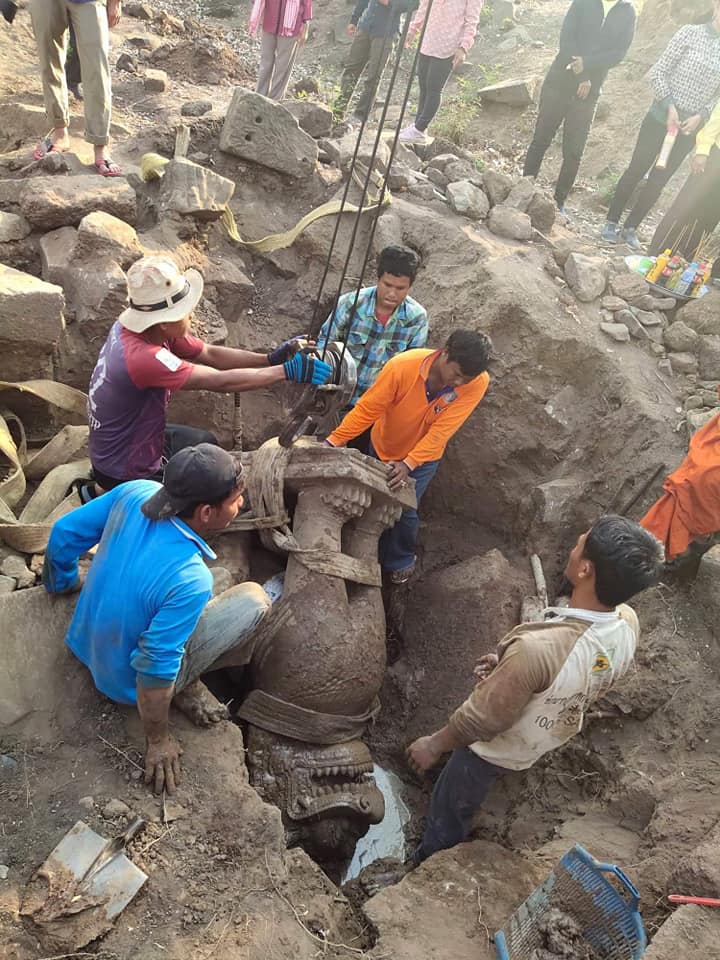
(108, 168)
(45, 147)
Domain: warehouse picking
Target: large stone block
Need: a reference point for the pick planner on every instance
(521, 195)
(192, 190)
(101, 235)
(708, 351)
(699, 870)
(629, 286)
(31, 310)
(514, 93)
(57, 250)
(96, 293)
(702, 315)
(509, 222)
(50, 202)
(257, 129)
(468, 200)
(13, 227)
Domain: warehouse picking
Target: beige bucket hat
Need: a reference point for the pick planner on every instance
(159, 293)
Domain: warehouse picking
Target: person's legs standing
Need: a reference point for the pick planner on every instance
(653, 186)
(437, 76)
(423, 68)
(267, 63)
(380, 48)
(397, 545)
(686, 210)
(89, 21)
(285, 53)
(554, 103)
(578, 120)
(49, 23)
(460, 790)
(650, 137)
(357, 57)
(223, 636)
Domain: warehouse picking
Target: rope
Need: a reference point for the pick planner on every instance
(266, 485)
(298, 723)
(53, 464)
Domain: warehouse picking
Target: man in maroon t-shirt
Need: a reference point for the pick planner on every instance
(150, 353)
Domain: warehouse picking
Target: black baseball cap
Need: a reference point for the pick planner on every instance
(202, 474)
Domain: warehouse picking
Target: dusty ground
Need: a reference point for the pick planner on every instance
(642, 786)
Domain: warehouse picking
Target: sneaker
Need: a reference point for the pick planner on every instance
(411, 134)
(630, 237)
(611, 232)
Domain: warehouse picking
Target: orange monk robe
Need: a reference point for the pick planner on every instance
(690, 507)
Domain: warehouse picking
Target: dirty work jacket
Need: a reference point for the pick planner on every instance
(144, 592)
(602, 43)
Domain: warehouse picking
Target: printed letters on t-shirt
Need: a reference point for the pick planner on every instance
(168, 359)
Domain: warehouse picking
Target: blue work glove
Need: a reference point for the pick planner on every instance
(305, 369)
(286, 351)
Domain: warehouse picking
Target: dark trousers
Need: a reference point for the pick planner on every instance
(560, 104)
(177, 437)
(695, 211)
(433, 73)
(649, 141)
(397, 545)
(459, 793)
(365, 50)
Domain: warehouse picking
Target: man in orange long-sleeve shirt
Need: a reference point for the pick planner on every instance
(419, 400)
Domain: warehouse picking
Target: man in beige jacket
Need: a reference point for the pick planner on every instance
(90, 20)
(532, 694)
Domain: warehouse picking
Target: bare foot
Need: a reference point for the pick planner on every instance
(200, 706)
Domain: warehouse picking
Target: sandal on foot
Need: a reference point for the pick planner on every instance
(108, 168)
(45, 147)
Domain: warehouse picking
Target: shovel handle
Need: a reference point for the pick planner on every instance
(700, 901)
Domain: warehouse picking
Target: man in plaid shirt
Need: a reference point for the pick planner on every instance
(386, 321)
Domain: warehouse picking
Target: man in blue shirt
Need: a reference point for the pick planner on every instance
(144, 624)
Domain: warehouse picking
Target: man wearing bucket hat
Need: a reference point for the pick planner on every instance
(149, 641)
(150, 353)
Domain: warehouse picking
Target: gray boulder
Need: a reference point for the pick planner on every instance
(513, 93)
(50, 202)
(497, 186)
(616, 331)
(703, 315)
(586, 276)
(463, 170)
(521, 195)
(680, 338)
(31, 324)
(683, 362)
(257, 129)
(629, 286)
(13, 227)
(468, 200)
(102, 235)
(314, 118)
(708, 351)
(542, 212)
(510, 223)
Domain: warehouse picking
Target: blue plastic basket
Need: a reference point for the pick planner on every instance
(598, 896)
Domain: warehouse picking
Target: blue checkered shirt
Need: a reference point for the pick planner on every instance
(370, 343)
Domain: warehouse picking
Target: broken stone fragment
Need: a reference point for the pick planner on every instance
(708, 351)
(612, 303)
(698, 418)
(257, 129)
(96, 293)
(629, 286)
(102, 235)
(497, 186)
(192, 190)
(542, 212)
(680, 337)
(649, 318)
(468, 200)
(586, 276)
(114, 809)
(57, 249)
(437, 177)
(87, 803)
(683, 362)
(50, 202)
(627, 317)
(442, 160)
(616, 331)
(196, 108)
(13, 227)
(313, 117)
(458, 170)
(513, 93)
(126, 63)
(553, 499)
(521, 194)
(510, 223)
(15, 567)
(7, 584)
(31, 324)
(155, 81)
(141, 11)
(702, 315)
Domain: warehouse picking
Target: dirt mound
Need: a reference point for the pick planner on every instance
(204, 60)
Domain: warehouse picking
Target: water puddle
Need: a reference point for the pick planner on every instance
(386, 839)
